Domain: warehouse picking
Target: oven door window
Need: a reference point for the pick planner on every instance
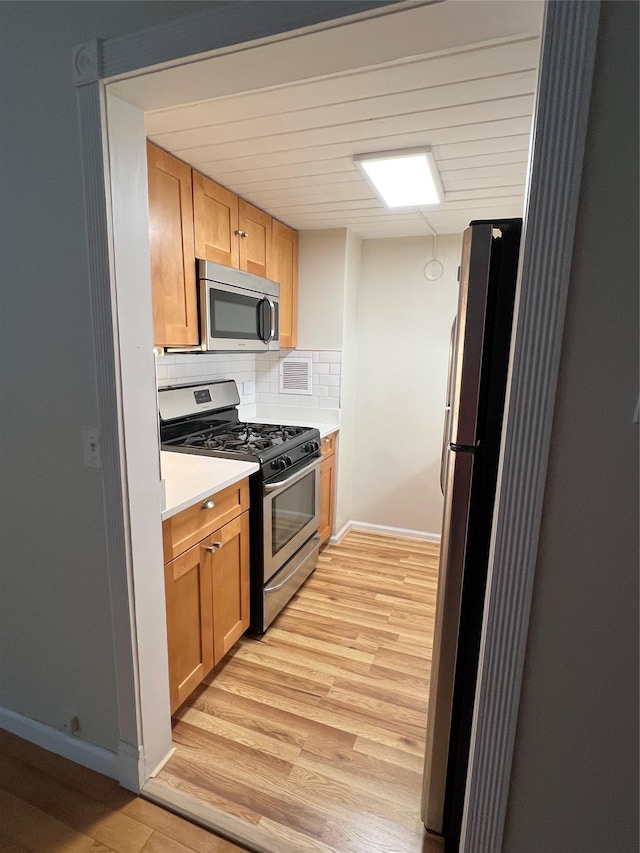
(234, 315)
(292, 510)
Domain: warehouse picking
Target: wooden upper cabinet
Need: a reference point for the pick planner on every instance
(173, 280)
(254, 228)
(284, 269)
(215, 216)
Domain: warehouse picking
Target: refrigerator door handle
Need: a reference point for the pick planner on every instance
(447, 410)
(470, 333)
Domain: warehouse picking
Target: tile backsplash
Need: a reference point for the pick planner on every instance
(325, 379)
(181, 369)
(257, 375)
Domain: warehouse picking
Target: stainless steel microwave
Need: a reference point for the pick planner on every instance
(239, 312)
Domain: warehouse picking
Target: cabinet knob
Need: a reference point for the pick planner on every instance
(213, 547)
(242, 233)
(208, 504)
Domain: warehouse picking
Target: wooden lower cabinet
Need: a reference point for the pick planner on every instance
(327, 487)
(207, 604)
(230, 585)
(187, 582)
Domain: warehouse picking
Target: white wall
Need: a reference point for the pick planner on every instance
(348, 437)
(321, 268)
(574, 785)
(56, 653)
(403, 327)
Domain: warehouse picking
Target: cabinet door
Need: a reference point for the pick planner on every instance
(284, 269)
(327, 490)
(189, 622)
(230, 584)
(173, 279)
(255, 239)
(215, 216)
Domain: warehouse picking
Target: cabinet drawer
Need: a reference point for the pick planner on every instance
(328, 444)
(188, 527)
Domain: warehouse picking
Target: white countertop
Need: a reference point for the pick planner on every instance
(325, 429)
(189, 477)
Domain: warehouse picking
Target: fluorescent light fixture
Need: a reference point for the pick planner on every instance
(406, 178)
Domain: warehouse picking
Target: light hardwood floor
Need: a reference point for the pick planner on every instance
(51, 805)
(311, 739)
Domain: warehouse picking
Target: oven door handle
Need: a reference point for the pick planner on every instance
(281, 484)
(293, 570)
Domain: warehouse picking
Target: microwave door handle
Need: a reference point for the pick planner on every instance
(263, 320)
(272, 320)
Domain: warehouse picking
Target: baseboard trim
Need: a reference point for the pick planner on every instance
(385, 530)
(339, 536)
(79, 751)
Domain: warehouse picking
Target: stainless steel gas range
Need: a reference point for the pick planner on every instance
(284, 492)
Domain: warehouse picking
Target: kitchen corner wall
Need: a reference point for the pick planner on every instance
(403, 327)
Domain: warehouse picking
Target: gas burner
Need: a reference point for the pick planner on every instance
(246, 443)
(203, 440)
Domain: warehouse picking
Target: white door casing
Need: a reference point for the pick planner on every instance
(114, 181)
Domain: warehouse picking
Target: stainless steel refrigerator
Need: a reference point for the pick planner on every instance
(478, 364)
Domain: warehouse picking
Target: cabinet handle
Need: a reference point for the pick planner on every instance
(208, 504)
(327, 440)
(242, 233)
(213, 547)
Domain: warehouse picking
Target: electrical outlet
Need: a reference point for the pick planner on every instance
(70, 724)
(91, 447)
(248, 388)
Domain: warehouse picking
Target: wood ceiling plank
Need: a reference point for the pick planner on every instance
(511, 178)
(364, 133)
(473, 64)
(473, 135)
(382, 106)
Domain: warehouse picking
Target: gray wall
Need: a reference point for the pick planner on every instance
(56, 653)
(574, 785)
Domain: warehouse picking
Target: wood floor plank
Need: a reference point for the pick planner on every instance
(29, 828)
(48, 803)
(383, 752)
(73, 808)
(172, 826)
(312, 736)
(238, 734)
(74, 775)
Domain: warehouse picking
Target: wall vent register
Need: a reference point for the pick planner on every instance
(295, 376)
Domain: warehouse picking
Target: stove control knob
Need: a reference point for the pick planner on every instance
(288, 461)
(279, 464)
(316, 445)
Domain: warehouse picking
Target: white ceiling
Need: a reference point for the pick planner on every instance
(283, 121)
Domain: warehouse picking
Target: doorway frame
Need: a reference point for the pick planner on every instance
(126, 379)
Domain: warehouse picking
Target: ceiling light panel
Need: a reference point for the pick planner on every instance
(403, 178)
